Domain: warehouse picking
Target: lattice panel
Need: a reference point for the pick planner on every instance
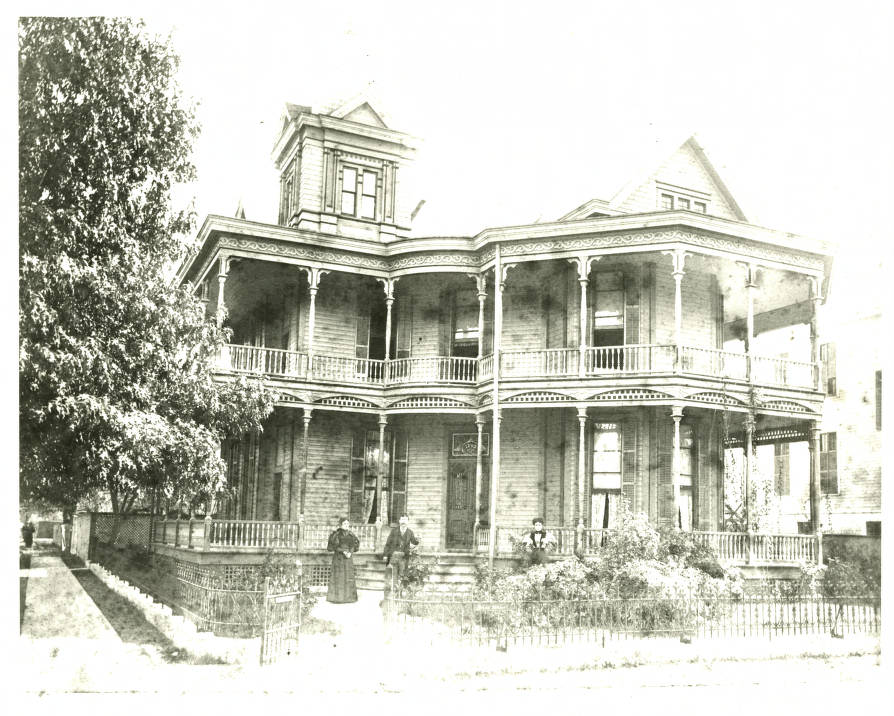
(538, 397)
(346, 401)
(715, 398)
(631, 394)
(317, 575)
(429, 401)
(765, 437)
(122, 529)
(785, 405)
(485, 400)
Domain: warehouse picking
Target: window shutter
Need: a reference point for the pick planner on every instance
(629, 438)
(781, 468)
(631, 313)
(445, 323)
(827, 358)
(666, 514)
(361, 343)
(404, 328)
(399, 476)
(829, 463)
(358, 446)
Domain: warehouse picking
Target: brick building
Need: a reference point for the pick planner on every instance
(478, 381)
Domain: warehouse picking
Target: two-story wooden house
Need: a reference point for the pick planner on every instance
(476, 382)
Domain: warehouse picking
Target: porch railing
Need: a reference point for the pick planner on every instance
(541, 363)
(782, 371)
(546, 363)
(736, 547)
(714, 363)
(271, 361)
(224, 534)
(629, 359)
(349, 370)
(433, 369)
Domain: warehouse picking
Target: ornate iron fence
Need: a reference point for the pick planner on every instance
(502, 623)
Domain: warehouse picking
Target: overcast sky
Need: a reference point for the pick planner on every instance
(526, 110)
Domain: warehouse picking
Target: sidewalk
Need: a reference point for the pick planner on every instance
(66, 643)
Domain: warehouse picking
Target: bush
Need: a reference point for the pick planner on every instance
(683, 546)
(283, 573)
(415, 574)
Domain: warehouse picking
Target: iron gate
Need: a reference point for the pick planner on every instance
(282, 619)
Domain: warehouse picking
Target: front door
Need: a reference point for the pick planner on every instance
(460, 502)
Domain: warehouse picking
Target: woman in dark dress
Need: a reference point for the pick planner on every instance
(342, 544)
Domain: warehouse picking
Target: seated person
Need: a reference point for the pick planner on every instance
(538, 541)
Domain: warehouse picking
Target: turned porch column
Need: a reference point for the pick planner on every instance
(676, 462)
(580, 497)
(749, 449)
(304, 447)
(583, 263)
(479, 471)
(481, 284)
(500, 282)
(313, 281)
(380, 469)
(815, 300)
(224, 268)
(678, 258)
(813, 444)
(750, 286)
(388, 285)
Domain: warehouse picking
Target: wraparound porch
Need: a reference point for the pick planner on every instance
(258, 536)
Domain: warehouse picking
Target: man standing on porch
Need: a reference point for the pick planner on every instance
(401, 540)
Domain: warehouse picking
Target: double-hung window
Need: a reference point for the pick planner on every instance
(606, 474)
(358, 192)
(829, 463)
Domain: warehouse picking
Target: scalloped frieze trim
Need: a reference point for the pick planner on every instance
(346, 401)
(429, 401)
(788, 406)
(301, 251)
(486, 399)
(710, 396)
(435, 260)
(630, 394)
(538, 396)
(639, 238)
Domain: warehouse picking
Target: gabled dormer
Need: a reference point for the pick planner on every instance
(341, 170)
(681, 179)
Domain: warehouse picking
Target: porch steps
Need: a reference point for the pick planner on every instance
(369, 574)
(454, 572)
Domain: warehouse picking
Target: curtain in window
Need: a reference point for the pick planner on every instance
(605, 508)
(685, 512)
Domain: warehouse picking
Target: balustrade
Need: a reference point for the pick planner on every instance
(629, 359)
(348, 370)
(547, 363)
(541, 363)
(782, 371)
(433, 369)
(714, 363)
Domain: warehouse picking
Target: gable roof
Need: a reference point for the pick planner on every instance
(663, 154)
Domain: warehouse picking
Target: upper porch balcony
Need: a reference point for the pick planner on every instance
(556, 363)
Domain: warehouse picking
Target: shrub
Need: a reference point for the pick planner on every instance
(415, 574)
(683, 546)
(283, 572)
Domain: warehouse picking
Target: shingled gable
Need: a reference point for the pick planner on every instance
(687, 166)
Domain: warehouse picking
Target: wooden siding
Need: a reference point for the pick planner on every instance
(521, 466)
(426, 476)
(701, 326)
(682, 169)
(310, 182)
(335, 319)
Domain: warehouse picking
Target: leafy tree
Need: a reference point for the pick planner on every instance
(116, 385)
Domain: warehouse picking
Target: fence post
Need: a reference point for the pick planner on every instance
(300, 545)
(749, 553)
(206, 538)
(819, 547)
(189, 533)
(91, 539)
(579, 538)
